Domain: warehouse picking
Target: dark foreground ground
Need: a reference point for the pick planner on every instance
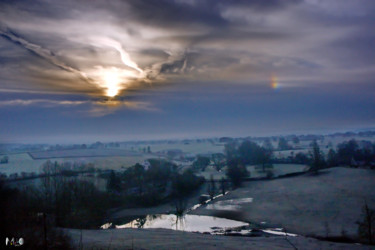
(169, 239)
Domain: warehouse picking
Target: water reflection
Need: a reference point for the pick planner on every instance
(189, 223)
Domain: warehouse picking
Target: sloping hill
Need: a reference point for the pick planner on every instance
(328, 204)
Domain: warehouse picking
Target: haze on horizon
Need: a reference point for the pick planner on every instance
(74, 71)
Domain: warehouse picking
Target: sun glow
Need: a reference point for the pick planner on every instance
(112, 82)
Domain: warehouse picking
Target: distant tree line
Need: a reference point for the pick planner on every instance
(65, 168)
(347, 153)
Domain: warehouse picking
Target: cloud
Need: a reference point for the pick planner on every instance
(177, 40)
(125, 58)
(86, 108)
(42, 52)
(42, 102)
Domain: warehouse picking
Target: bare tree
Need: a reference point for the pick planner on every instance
(366, 227)
(317, 158)
(211, 188)
(223, 185)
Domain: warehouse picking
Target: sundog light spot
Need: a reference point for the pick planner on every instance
(274, 82)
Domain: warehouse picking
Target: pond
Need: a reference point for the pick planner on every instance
(188, 222)
(198, 223)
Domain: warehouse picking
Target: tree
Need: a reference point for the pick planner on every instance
(218, 160)
(283, 144)
(317, 159)
(301, 158)
(211, 187)
(346, 151)
(332, 158)
(366, 227)
(138, 174)
(182, 186)
(295, 140)
(114, 182)
(236, 171)
(264, 158)
(201, 162)
(134, 177)
(19, 209)
(223, 185)
(250, 153)
(230, 150)
(268, 145)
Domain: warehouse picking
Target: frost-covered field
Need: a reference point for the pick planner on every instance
(190, 148)
(22, 162)
(256, 171)
(326, 204)
(79, 153)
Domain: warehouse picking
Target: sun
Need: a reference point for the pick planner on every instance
(112, 83)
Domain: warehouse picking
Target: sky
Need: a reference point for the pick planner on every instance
(82, 71)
